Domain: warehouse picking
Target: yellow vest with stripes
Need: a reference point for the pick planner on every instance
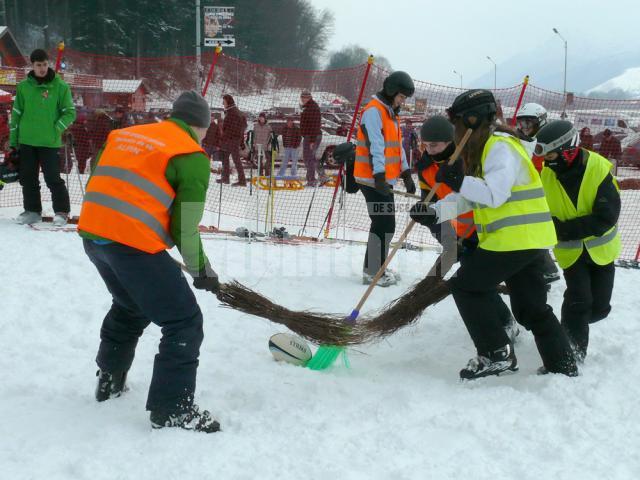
(602, 250)
(523, 222)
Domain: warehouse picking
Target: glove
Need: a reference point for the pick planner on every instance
(453, 175)
(344, 153)
(564, 230)
(424, 214)
(207, 279)
(12, 158)
(382, 187)
(408, 181)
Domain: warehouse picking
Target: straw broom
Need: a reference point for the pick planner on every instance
(332, 331)
(327, 354)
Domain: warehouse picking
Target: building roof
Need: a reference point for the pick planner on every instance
(10, 50)
(122, 86)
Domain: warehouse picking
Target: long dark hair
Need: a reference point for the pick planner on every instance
(472, 152)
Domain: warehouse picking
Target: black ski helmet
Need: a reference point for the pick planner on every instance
(473, 106)
(556, 136)
(436, 129)
(398, 82)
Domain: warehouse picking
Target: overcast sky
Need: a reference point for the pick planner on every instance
(429, 39)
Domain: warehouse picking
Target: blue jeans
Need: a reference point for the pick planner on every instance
(290, 154)
(149, 288)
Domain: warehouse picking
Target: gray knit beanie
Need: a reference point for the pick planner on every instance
(192, 108)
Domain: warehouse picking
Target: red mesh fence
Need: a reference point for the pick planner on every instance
(115, 92)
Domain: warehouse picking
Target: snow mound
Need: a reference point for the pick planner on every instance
(627, 82)
(399, 412)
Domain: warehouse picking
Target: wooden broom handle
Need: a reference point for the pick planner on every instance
(407, 230)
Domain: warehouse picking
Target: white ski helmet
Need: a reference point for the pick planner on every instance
(535, 111)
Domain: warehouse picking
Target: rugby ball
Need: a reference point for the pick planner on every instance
(289, 348)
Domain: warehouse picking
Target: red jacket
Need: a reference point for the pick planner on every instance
(213, 137)
(291, 137)
(233, 127)
(310, 120)
(610, 148)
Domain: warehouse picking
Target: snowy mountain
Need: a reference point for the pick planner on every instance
(626, 85)
(545, 65)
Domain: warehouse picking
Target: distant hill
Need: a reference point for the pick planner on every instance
(586, 72)
(625, 85)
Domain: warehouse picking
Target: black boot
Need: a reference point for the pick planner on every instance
(492, 363)
(110, 385)
(192, 419)
(555, 349)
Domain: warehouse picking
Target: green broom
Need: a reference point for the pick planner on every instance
(328, 354)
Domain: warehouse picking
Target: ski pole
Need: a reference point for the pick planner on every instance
(73, 152)
(313, 196)
(258, 177)
(216, 54)
(356, 311)
(525, 82)
(351, 128)
(220, 204)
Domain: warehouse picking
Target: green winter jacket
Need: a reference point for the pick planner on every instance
(188, 175)
(42, 110)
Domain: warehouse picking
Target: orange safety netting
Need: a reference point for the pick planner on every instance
(114, 92)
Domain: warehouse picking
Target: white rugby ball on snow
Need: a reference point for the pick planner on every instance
(289, 348)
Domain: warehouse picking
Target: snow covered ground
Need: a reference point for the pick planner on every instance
(399, 412)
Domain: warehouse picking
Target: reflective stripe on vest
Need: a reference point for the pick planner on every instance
(517, 197)
(603, 249)
(392, 134)
(130, 211)
(523, 222)
(427, 179)
(135, 179)
(525, 219)
(129, 199)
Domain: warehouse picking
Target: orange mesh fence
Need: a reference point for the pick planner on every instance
(115, 92)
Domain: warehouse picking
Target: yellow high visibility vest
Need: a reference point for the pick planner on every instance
(523, 222)
(602, 250)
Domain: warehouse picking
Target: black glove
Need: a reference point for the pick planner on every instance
(12, 158)
(453, 175)
(408, 181)
(207, 279)
(382, 187)
(424, 214)
(344, 153)
(564, 230)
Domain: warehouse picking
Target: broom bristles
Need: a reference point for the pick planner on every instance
(333, 329)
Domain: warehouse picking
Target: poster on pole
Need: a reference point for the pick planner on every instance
(218, 26)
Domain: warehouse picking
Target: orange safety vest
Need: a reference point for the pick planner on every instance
(463, 224)
(128, 198)
(363, 169)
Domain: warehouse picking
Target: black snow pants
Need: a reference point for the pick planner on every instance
(473, 289)
(587, 298)
(31, 159)
(381, 211)
(149, 288)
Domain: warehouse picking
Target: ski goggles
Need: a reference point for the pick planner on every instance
(527, 122)
(541, 149)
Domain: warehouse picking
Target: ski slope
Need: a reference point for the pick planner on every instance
(398, 413)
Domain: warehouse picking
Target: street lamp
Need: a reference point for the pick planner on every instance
(495, 72)
(564, 88)
(460, 75)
